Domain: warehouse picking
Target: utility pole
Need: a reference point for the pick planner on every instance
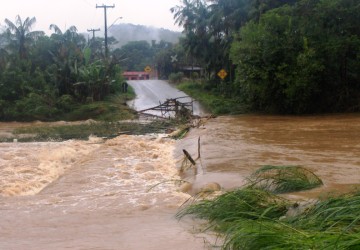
(93, 31)
(105, 18)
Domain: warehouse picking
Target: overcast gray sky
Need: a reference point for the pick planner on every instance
(84, 15)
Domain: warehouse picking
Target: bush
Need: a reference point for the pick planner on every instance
(214, 102)
(33, 107)
(195, 75)
(176, 77)
(65, 103)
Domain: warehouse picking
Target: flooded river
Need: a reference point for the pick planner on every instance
(94, 194)
(233, 147)
(118, 193)
(121, 194)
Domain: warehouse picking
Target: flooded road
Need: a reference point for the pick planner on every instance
(120, 193)
(151, 92)
(94, 194)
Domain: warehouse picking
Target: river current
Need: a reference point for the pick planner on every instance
(95, 194)
(121, 194)
(234, 147)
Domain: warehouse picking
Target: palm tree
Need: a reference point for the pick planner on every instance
(70, 35)
(229, 15)
(67, 55)
(21, 35)
(209, 26)
(189, 15)
(225, 19)
(3, 52)
(68, 42)
(193, 16)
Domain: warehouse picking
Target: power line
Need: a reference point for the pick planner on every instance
(93, 31)
(105, 7)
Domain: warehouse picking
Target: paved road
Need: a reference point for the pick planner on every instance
(151, 92)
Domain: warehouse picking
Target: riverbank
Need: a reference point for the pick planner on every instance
(113, 108)
(213, 100)
(234, 147)
(82, 130)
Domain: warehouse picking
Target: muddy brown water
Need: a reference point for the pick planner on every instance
(116, 194)
(234, 147)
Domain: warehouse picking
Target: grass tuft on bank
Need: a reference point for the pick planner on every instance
(284, 179)
(253, 218)
(246, 203)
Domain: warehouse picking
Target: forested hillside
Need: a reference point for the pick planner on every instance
(125, 33)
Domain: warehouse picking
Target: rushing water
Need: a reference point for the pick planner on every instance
(118, 193)
(93, 194)
(233, 147)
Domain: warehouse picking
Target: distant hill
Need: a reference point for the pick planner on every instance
(125, 33)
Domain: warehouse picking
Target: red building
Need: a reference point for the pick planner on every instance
(136, 75)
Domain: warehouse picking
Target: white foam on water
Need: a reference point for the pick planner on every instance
(138, 170)
(26, 168)
(114, 194)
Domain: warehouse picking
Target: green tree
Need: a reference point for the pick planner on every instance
(193, 16)
(42, 76)
(67, 55)
(20, 34)
(135, 56)
(209, 27)
(301, 58)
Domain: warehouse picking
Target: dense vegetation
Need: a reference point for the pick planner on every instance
(136, 55)
(44, 77)
(256, 218)
(281, 56)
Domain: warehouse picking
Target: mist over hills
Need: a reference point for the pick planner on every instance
(127, 32)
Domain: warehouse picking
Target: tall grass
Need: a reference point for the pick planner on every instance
(284, 179)
(265, 234)
(335, 214)
(247, 203)
(253, 218)
(275, 234)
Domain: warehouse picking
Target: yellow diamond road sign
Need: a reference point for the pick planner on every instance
(222, 74)
(147, 69)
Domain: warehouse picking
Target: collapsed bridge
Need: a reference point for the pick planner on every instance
(171, 108)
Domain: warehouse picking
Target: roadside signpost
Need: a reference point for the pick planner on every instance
(222, 74)
(147, 69)
(174, 58)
